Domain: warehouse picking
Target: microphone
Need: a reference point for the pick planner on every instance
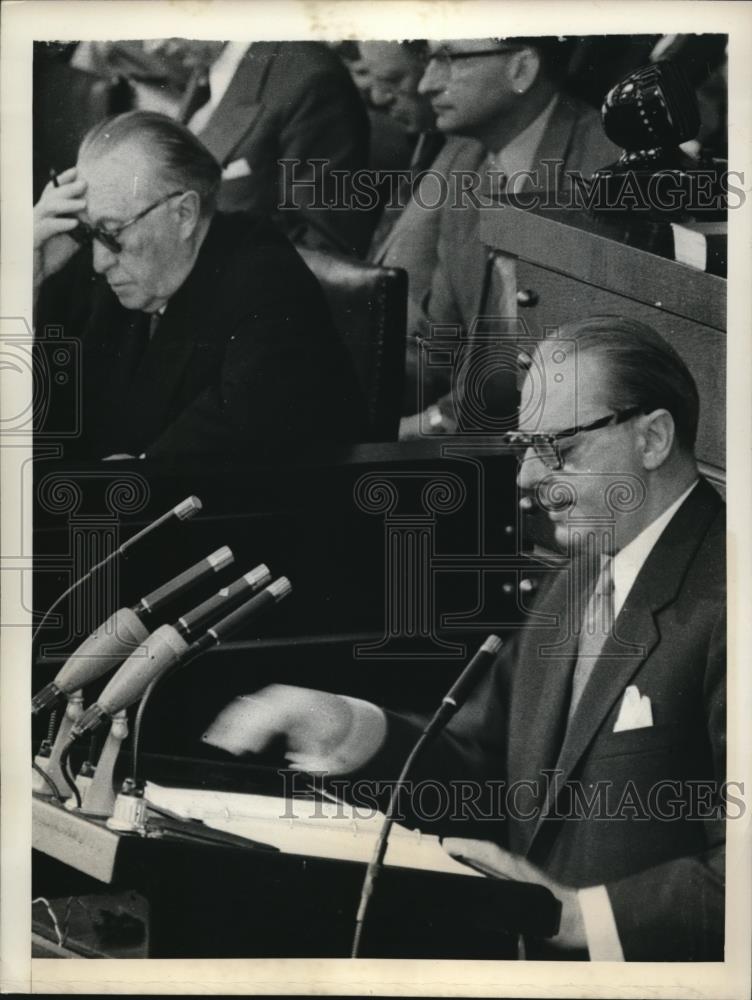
(204, 568)
(225, 598)
(121, 633)
(166, 648)
(450, 704)
(455, 698)
(183, 511)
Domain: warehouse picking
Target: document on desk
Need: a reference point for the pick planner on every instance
(314, 827)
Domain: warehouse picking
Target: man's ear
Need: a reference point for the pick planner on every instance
(656, 435)
(189, 213)
(524, 67)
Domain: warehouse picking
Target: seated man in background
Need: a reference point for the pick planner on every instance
(407, 234)
(255, 104)
(507, 96)
(155, 81)
(202, 333)
(603, 718)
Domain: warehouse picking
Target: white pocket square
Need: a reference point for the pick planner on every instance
(238, 168)
(635, 711)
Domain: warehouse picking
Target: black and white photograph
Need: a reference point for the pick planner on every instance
(375, 388)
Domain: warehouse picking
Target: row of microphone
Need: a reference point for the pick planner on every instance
(125, 639)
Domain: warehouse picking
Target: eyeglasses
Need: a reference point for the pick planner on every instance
(546, 446)
(444, 57)
(84, 233)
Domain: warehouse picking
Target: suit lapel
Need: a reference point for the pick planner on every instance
(240, 106)
(556, 142)
(637, 629)
(540, 691)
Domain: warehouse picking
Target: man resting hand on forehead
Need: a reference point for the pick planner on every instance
(201, 333)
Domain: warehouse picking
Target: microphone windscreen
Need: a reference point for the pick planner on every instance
(107, 647)
(161, 650)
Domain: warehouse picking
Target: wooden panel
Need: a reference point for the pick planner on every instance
(597, 251)
(703, 348)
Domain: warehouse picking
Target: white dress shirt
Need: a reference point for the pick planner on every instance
(518, 156)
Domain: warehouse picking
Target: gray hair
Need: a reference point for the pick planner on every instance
(183, 160)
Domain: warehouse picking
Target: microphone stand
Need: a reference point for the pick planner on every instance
(100, 798)
(450, 704)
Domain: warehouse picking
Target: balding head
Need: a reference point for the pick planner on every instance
(172, 155)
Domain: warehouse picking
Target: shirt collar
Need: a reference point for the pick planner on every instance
(628, 562)
(519, 154)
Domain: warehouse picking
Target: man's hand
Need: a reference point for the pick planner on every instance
(494, 861)
(321, 731)
(54, 217)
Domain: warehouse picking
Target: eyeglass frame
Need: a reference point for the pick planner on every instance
(534, 438)
(447, 57)
(85, 234)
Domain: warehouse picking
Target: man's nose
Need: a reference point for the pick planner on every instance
(103, 258)
(531, 471)
(433, 80)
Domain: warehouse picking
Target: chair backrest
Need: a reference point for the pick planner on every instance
(369, 309)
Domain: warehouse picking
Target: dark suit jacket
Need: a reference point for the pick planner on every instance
(245, 356)
(575, 141)
(664, 877)
(293, 100)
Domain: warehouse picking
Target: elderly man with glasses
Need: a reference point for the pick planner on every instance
(191, 340)
(603, 718)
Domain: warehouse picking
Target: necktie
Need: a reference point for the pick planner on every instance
(597, 625)
(197, 94)
(154, 320)
(494, 177)
(143, 328)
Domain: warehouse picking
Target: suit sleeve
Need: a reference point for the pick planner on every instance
(329, 123)
(675, 911)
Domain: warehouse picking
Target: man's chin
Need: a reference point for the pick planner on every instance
(128, 296)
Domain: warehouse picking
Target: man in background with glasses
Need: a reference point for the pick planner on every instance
(603, 718)
(192, 343)
(509, 96)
